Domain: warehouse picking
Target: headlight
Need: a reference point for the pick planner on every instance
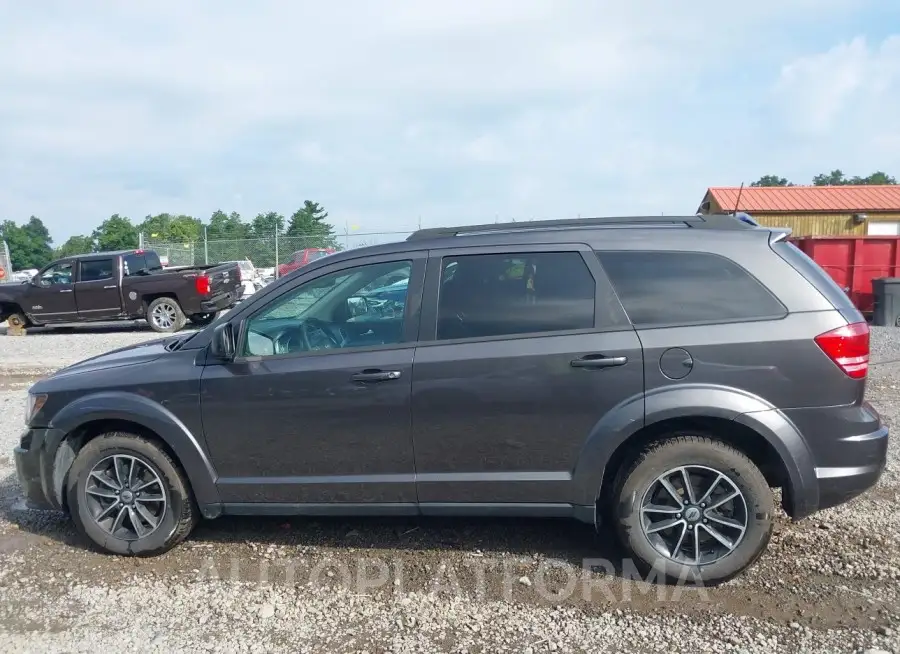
(33, 405)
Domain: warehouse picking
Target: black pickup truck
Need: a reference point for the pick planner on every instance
(121, 285)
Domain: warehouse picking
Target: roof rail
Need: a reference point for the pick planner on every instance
(710, 221)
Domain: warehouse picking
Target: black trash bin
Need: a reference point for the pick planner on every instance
(887, 301)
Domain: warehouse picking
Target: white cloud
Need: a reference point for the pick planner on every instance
(388, 111)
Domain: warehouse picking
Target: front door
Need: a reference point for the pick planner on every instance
(97, 290)
(52, 299)
(520, 357)
(315, 408)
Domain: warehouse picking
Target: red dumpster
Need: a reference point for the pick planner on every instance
(854, 261)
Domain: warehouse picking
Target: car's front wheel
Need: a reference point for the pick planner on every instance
(127, 496)
(695, 509)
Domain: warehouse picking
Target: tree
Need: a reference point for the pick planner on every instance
(834, 178)
(224, 226)
(29, 244)
(75, 245)
(876, 178)
(837, 178)
(771, 180)
(309, 221)
(165, 228)
(264, 225)
(115, 233)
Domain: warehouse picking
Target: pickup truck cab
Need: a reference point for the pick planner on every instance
(123, 285)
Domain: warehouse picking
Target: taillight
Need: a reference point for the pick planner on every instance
(848, 347)
(201, 283)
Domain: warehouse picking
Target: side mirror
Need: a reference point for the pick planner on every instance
(357, 306)
(222, 344)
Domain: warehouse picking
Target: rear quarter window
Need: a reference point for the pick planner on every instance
(682, 288)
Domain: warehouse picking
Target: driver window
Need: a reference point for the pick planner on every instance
(56, 275)
(355, 307)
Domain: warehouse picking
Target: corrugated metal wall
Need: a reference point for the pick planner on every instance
(817, 224)
(821, 224)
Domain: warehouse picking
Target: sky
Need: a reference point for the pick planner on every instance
(399, 113)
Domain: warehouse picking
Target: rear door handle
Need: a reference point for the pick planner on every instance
(598, 361)
(113, 286)
(65, 290)
(376, 375)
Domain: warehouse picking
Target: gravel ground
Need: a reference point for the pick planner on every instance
(827, 584)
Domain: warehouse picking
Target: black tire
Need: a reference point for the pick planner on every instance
(177, 517)
(164, 315)
(17, 323)
(636, 482)
(202, 319)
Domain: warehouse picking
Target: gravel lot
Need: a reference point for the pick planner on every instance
(828, 584)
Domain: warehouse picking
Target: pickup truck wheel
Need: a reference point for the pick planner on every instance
(695, 509)
(202, 319)
(16, 324)
(128, 496)
(164, 315)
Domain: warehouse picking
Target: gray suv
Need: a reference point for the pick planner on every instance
(653, 376)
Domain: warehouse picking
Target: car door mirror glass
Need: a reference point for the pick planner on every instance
(222, 344)
(357, 306)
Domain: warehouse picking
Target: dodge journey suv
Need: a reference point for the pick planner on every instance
(653, 376)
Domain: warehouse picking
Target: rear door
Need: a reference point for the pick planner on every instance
(522, 352)
(97, 291)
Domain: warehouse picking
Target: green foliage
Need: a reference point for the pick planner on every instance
(837, 178)
(29, 244)
(309, 221)
(771, 180)
(165, 227)
(75, 245)
(264, 225)
(115, 233)
(224, 226)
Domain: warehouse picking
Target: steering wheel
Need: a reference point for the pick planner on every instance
(287, 337)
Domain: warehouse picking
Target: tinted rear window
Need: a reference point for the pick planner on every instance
(317, 255)
(134, 263)
(678, 288)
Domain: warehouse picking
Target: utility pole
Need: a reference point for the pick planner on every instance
(276, 249)
(205, 247)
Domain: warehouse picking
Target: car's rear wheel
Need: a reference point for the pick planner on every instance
(695, 509)
(127, 496)
(164, 314)
(202, 319)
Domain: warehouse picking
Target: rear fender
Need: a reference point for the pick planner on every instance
(698, 401)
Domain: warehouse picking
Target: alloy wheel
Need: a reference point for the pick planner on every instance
(694, 515)
(125, 497)
(164, 315)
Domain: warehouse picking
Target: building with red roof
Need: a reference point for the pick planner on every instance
(813, 210)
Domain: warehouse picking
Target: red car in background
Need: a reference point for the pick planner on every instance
(302, 257)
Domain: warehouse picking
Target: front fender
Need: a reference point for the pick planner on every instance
(698, 401)
(117, 405)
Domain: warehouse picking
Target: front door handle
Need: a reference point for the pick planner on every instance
(376, 375)
(598, 361)
(65, 290)
(113, 286)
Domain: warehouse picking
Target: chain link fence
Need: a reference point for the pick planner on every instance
(267, 252)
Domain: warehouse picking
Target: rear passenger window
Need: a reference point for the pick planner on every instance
(673, 288)
(485, 295)
(96, 270)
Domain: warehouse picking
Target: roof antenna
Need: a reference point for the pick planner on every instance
(737, 202)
